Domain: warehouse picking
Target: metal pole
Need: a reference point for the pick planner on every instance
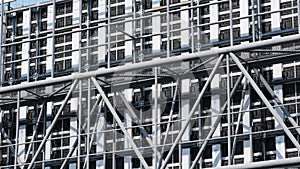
(198, 28)
(17, 130)
(53, 38)
(155, 117)
(238, 123)
(53, 124)
(118, 120)
(295, 161)
(265, 100)
(142, 39)
(169, 122)
(192, 27)
(228, 109)
(79, 123)
(134, 32)
(185, 125)
(88, 124)
(253, 21)
(1, 40)
(108, 33)
(259, 20)
(231, 23)
(298, 8)
(168, 29)
(215, 125)
(80, 38)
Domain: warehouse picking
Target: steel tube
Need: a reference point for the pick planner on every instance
(17, 130)
(263, 164)
(151, 63)
(228, 109)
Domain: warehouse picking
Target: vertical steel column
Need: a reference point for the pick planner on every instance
(259, 20)
(88, 124)
(108, 32)
(191, 19)
(155, 116)
(88, 34)
(231, 23)
(1, 135)
(228, 109)
(253, 20)
(168, 29)
(199, 32)
(17, 129)
(80, 37)
(185, 125)
(79, 115)
(142, 40)
(134, 31)
(2, 67)
(298, 8)
(53, 37)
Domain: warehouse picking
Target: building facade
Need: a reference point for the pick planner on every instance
(131, 84)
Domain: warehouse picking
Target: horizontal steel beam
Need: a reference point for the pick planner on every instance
(151, 63)
(289, 162)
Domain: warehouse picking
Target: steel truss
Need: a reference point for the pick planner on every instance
(275, 106)
(103, 91)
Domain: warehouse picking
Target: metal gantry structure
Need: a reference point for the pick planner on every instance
(130, 84)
